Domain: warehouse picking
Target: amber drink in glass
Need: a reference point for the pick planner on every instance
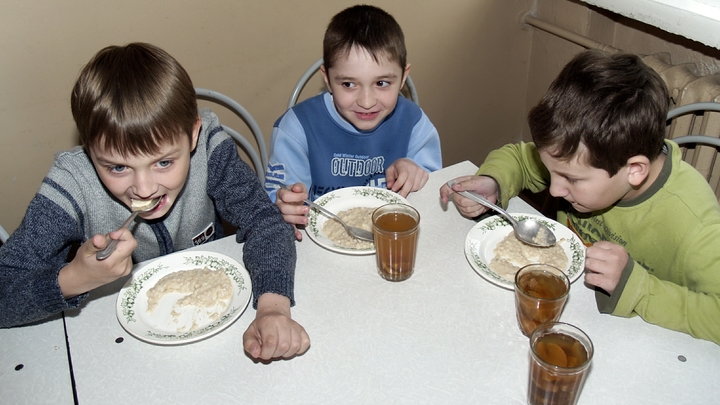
(560, 356)
(540, 294)
(395, 227)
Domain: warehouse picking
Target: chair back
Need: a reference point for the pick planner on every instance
(310, 72)
(3, 234)
(258, 157)
(696, 129)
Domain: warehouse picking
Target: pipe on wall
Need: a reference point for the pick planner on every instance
(567, 35)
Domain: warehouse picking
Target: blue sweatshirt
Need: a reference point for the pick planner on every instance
(311, 143)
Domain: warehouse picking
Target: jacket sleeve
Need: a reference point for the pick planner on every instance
(30, 262)
(269, 242)
(289, 161)
(690, 305)
(424, 148)
(516, 167)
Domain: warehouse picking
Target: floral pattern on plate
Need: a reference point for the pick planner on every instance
(131, 305)
(342, 200)
(486, 234)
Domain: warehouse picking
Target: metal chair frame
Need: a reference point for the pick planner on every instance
(259, 158)
(310, 72)
(3, 234)
(699, 138)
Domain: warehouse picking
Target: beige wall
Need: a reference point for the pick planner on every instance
(469, 62)
(478, 69)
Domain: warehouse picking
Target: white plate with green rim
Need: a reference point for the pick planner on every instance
(482, 239)
(132, 302)
(342, 200)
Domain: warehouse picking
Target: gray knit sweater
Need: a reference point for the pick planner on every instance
(72, 205)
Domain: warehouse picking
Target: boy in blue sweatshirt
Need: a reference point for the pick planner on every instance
(361, 132)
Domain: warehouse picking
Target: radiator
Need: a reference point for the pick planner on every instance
(686, 86)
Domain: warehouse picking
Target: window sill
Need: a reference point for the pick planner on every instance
(698, 20)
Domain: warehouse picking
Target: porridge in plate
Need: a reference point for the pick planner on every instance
(203, 295)
(511, 254)
(360, 217)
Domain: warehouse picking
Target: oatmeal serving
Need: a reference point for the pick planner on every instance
(204, 295)
(510, 254)
(360, 217)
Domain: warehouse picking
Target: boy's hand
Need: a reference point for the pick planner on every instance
(404, 176)
(604, 262)
(85, 272)
(291, 205)
(483, 185)
(273, 334)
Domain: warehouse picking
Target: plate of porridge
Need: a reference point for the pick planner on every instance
(496, 254)
(184, 297)
(355, 206)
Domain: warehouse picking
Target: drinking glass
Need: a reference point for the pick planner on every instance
(396, 228)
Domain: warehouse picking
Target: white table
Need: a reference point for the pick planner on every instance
(444, 336)
(34, 366)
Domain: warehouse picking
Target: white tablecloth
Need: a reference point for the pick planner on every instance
(34, 366)
(444, 336)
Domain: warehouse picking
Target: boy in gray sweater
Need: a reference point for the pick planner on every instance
(144, 139)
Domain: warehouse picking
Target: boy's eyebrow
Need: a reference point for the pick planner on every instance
(385, 76)
(159, 156)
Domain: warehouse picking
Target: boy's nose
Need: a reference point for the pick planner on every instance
(367, 99)
(557, 191)
(144, 186)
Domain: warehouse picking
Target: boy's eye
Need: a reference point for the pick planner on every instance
(117, 168)
(383, 83)
(348, 84)
(164, 163)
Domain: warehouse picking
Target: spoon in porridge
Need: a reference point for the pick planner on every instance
(357, 233)
(529, 230)
(138, 206)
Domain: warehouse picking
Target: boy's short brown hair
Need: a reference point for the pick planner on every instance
(133, 99)
(614, 104)
(366, 27)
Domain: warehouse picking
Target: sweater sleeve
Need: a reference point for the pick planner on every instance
(289, 161)
(30, 262)
(269, 246)
(424, 148)
(691, 305)
(516, 167)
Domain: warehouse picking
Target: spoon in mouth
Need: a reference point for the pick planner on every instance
(138, 206)
(529, 230)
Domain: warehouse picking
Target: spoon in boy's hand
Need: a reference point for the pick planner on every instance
(357, 233)
(136, 209)
(529, 230)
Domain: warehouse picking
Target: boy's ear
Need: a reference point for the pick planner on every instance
(638, 169)
(325, 77)
(195, 133)
(405, 75)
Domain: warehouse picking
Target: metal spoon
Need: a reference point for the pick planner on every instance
(105, 253)
(356, 233)
(529, 230)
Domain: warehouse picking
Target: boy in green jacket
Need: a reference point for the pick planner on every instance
(649, 219)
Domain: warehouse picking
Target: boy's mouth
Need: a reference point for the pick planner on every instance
(366, 116)
(144, 205)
